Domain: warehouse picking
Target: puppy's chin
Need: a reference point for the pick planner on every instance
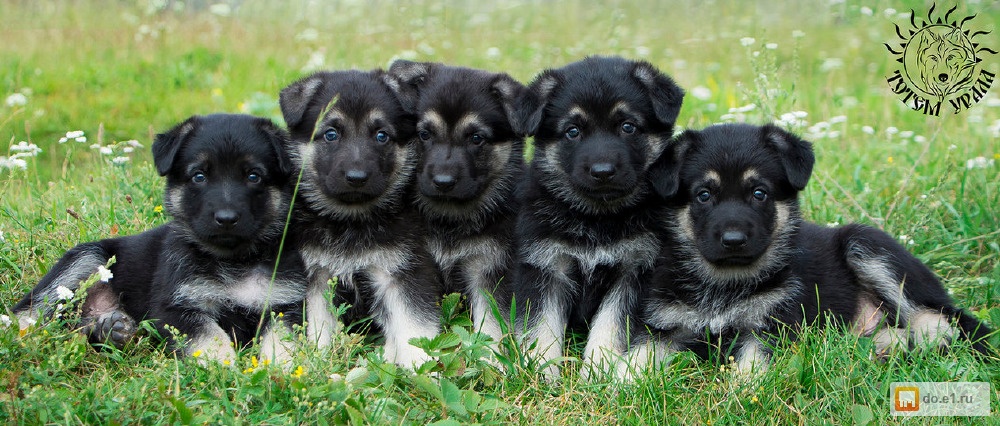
(604, 194)
(354, 197)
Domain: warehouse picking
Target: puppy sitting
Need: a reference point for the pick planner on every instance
(358, 153)
(586, 231)
(471, 129)
(738, 263)
(208, 273)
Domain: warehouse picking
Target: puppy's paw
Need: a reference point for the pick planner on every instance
(113, 328)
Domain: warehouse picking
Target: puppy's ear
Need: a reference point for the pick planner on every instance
(168, 144)
(517, 101)
(297, 97)
(796, 154)
(665, 172)
(406, 79)
(533, 105)
(279, 141)
(663, 92)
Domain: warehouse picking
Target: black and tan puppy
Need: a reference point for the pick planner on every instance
(208, 273)
(357, 147)
(471, 126)
(586, 229)
(739, 264)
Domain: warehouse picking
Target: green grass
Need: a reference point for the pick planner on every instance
(121, 71)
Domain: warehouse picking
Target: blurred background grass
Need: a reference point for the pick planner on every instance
(124, 70)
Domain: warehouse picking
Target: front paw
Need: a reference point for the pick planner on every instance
(113, 328)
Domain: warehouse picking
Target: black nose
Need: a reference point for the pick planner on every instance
(444, 183)
(227, 217)
(602, 171)
(356, 177)
(943, 77)
(734, 239)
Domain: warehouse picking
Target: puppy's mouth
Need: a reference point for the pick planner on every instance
(735, 261)
(604, 193)
(355, 197)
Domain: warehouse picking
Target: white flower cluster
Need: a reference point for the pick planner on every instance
(75, 135)
(21, 152)
(119, 150)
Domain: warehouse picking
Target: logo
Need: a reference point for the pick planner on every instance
(907, 398)
(940, 64)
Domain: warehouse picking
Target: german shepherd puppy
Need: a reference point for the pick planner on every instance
(471, 129)
(586, 231)
(208, 273)
(738, 262)
(357, 147)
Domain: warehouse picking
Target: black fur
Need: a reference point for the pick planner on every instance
(357, 146)
(471, 129)
(228, 189)
(739, 264)
(586, 229)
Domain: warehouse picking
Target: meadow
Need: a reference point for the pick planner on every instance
(85, 85)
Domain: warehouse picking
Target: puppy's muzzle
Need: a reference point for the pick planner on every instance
(227, 218)
(733, 240)
(444, 182)
(356, 178)
(602, 172)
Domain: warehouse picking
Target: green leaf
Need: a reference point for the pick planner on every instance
(427, 385)
(183, 412)
(446, 422)
(446, 341)
(452, 397)
(862, 415)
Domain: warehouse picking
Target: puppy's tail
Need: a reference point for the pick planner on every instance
(61, 281)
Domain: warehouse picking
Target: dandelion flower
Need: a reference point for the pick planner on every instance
(104, 273)
(298, 372)
(889, 160)
(753, 399)
(158, 209)
(746, 41)
(196, 353)
(16, 100)
(63, 293)
(254, 362)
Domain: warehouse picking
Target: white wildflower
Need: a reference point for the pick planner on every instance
(13, 163)
(640, 51)
(308, 34)
(798, 34)
(317, 60)
(220, 9)
(105, 273)
(838, 119)
(891, 130)
(992, 102)
(745, 108)
(128, 150)
(905, 239)
(16, 100)
(63, 293)
(979, 163)
(771, 46)
(890, 12)
(133, 143)
(106, 150)
(830, 64)
(906, 134)
(81, 139)
(27, 149)
(74, 134)
(493, 52)
(832, 224)
(2, 239)
(952, 147)
(701, 93)
(867, 11)
(120, 160)
(5, 320)
(746, 41)
(868, 129)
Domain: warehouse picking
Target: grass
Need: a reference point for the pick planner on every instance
(123, 71)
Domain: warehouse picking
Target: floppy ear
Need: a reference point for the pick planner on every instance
(279, 141)
(168, 144)
(295, 98)
(517, 101)
(406, 79)
(663, 92)
(533, 105)
(665, 172)
(796, 154)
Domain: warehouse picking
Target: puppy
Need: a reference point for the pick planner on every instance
(471, 126)
(214, 273)
(357, 148)
(586, 230)
(738, 263)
